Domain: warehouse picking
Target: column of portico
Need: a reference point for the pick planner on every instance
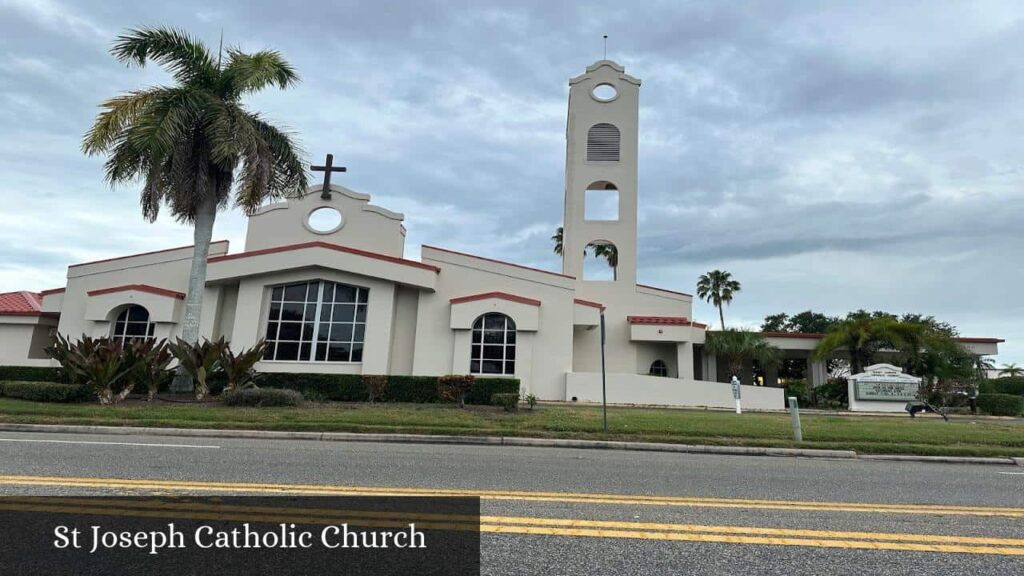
(684, 360)
(817, 374)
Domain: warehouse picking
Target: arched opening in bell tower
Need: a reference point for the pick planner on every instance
(600, 261)
(601, 202)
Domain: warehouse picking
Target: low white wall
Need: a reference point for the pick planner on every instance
(638, 389)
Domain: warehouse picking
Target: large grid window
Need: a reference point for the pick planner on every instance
(659, 368)
(132, 324)
(316, 322)
(494, 345)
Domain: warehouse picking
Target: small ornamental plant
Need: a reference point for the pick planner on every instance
(375, 387)
(454, 387)
(509, 402)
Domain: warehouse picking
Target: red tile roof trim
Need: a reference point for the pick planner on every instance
(52, 291)
(582, 302)
(142, 254)
(498, 295)
(664, 290)
(327, 246)
(138, 288)
(665, 320)
(23, 303)
(499, 262)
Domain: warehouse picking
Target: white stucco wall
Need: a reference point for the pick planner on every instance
(652, 390)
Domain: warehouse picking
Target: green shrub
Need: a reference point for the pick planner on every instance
(46, 391)
(834, 394)
(1001, 404)
(1005, 385)
(336, 387)
(30, 374)
(414, 389)
(261, 397)
(239, 369)
(508, 402)
(353, 387)
(483, 388)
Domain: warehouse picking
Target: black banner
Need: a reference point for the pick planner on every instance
(229, 535)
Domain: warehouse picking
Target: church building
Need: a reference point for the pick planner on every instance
(324, 280)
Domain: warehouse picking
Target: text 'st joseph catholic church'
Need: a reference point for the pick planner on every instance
(341, 298)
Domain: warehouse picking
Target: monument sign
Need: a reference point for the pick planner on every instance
(882, 388)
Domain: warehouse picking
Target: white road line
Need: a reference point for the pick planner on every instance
(1012, 473)
(106, 443)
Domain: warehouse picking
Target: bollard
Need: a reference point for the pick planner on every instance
(794, 413)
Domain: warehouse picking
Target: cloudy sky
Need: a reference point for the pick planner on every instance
(831, 156)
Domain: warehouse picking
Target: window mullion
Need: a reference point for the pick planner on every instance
(316, 321)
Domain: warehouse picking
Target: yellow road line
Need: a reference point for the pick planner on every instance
(565, 497)
(538, 526)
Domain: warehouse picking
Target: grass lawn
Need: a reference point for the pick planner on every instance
(924, 435)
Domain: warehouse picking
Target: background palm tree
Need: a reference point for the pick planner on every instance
(739, 347)
(1011, 370)
(193, 143)
(717, 287)
(557, 238)
(610, 253)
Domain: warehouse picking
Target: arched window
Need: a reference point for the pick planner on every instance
(603, 143)
(132, 324)
(494, 345)
(659, 368)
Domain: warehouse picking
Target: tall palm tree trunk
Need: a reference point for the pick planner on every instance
(721, 316)
(202, 234)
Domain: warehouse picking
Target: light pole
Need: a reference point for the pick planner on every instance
(604, 386)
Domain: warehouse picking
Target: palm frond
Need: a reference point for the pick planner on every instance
(247, 73)
(185, 57)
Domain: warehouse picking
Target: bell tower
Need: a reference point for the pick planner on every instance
(601, 174)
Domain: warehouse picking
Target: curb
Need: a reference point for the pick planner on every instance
(500, 441)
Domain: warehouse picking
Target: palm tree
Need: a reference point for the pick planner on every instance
(863, 336)
(192, 142)
(739, 347)
(557, 238)
(1011, 370)
(610, 253)
(717, 287)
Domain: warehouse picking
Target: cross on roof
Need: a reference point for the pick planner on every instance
(327, 168)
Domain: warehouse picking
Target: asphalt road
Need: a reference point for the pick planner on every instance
(591, 511)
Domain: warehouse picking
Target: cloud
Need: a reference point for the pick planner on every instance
(832, 156)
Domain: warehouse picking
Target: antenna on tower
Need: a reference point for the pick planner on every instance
(605, 47)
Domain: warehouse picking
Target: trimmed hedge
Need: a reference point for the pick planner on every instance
(46, 391)
(30, 374)
(1004, 385)
(262, 397)
(1001, 404)
(350, 387)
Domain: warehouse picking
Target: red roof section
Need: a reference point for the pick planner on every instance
(498, 295)
(499, 262)
(23, 303)
(139, 288)
(664, 290)
(665, 320)
(327, 246)
(583, 302)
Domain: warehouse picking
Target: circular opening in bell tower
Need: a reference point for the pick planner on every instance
(604, 93)
(324, 220)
